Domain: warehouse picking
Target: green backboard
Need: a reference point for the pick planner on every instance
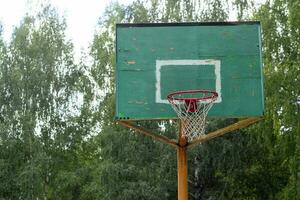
(153, 60)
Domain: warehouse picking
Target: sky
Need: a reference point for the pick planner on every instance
(81, 15)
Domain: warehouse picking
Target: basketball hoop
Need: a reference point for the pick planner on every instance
(192, 107)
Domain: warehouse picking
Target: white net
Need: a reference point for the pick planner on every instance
(192, 111)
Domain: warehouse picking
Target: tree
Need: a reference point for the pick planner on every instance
(42, 129)
(59, 139)
(280, 24)
(265, 164)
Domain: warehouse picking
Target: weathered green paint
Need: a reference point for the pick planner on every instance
(236, 45)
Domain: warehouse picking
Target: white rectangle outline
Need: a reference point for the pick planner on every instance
(161, 63)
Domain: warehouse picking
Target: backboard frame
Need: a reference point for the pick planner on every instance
(163, 63)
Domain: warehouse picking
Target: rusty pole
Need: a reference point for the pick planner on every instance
(182, 168)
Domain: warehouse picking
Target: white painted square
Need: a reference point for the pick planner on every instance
(169, 63)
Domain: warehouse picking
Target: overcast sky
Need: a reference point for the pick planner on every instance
(81, 15)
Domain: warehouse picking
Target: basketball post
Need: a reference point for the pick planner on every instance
(191, 107)
(182, 165)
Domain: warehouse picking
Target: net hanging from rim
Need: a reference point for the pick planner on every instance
(192, 107)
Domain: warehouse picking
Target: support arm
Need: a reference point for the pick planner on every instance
(238, 125)
(146, 132)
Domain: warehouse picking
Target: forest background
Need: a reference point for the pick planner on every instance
(59, 139)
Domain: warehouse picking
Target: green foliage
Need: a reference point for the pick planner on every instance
(281, 37)
(246, 165)
(264, 159)
(59, 140)
(236, 166)
(40, 131)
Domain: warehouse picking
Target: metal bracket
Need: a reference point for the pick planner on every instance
(147, 132)
(203, 138)
(238, 125)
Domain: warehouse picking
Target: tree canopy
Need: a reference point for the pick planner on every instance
(59, 139)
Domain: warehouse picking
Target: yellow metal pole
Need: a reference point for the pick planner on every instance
(182, 168)
(182, 173)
